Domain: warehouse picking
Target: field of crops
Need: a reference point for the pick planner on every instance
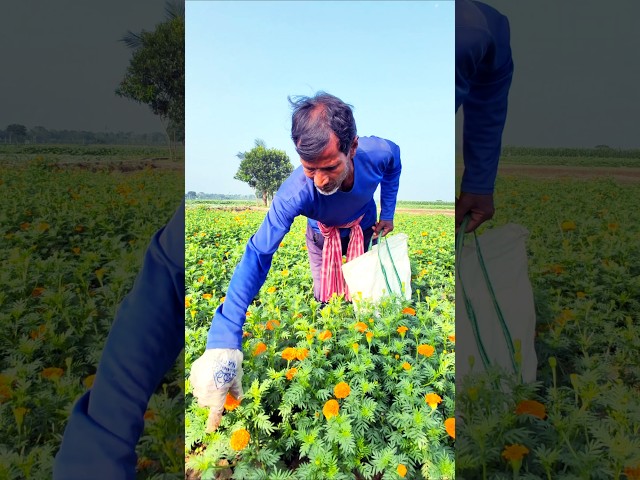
(328, 393)
(71, 243)
(582, 418)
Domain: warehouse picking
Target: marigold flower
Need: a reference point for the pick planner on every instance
(76, 250)
(144, 463)
(36, 292)
(246, 334)
(187, 302)
(222, 299)
(424, 234)
(514, 452)
(396, 356)
(207, 296)
(426, 350)
(406, 366)
(150, 415)
(239, 439)
(5, 393)
(402, 470)
(361, 326)
(342, 390)
(452, 338)
(52, 373)
(88, 381)
(271, 289)
(432, 399)
(302, 353)
(409, 311)
(568, 226)
(369, 336)
(291, 373)
(330, 409)
(285, 273)
(200, 279)
(450, 426)
(531, 407)
(581, 294)
(402, 330)
(355, 347)
(289, 353)
(260, 348)
(632, 473)
(326, 335)
(38, 332)
(271, 324)
(231, 402)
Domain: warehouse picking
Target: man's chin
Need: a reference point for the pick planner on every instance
(327, 192)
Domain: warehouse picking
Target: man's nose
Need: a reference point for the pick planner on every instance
(320, 179)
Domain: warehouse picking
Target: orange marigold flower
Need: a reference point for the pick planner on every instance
(239, 439)
(402, 330)
(450, 426)
(330, 409)
(514, 452)
(200, 279)
(144, 463)
(360, 326)
(246, 334)
(452, 338)
(409, 311)
(632, 473)
(5, 393)
(289, 353)
(326, 335)
(291, 373)
(88, 381)
(369, 336)
(260, 348)
(271, 324)
(231, 402)
(402, 470)
(355, 347)
(531, 407)
(342, 390)
(207, 296)
(52, 373)
(38, 332)
(302, 353)
(432, 399)
(150, 415)
(187, 302)
(36, 292)
(426, 350)
(406, 366)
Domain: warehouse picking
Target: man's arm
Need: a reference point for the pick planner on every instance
(392, 167)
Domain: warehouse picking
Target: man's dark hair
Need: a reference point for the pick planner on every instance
(313, 121)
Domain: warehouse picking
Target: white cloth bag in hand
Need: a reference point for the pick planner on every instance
(504, 255)
(364, 274)
(217, 372)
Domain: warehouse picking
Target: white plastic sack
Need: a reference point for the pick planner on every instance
(505, 258)
(364, 275)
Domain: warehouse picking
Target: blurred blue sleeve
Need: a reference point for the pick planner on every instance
(145, 340)
(390, 183)
(484, 70)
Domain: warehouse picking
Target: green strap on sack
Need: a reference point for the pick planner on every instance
(384, 270)
(469, 307)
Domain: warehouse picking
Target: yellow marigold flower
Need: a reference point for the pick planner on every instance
(424, 234)
(568, 226)
(285, 273)
(260, 348)
(432, 399)
(330, 409)
(402, 470)
(531, 407)
(200, 279)
(289, 353)
(406, 366)
(450, 426)
(326, 335)
(239, 439)
(355, 347)
(361, 326)
(76, 250)
(5, 393)
(369, 336)
(302, 353)
(231, 402)
(291, 373)
(409, 311)
(52, 373)
(397, 356)
(514, 452)
(342, 390)
(222, 299)
(402, 330)
(207, 296)
(426, 350)
(581, 294)
(271, 289)
(88, 381)
(187, 302)
(271, 324)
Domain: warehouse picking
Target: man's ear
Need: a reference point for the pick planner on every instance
(354, 147)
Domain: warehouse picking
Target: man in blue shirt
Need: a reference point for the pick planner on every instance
(333, 187)
(484, 69)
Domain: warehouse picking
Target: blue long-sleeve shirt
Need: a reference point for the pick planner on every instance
(377, 162)
(146, 338)
(484, 69)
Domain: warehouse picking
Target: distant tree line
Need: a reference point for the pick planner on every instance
(192, 195)
(18, 134)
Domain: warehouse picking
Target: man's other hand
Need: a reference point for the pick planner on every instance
(479, 206)
(382, 227)
(217, 372)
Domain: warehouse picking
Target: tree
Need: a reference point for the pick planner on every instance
(191, 195)
(17, 133)
(263, 169)
(155, 75)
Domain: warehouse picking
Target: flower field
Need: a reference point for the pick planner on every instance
(71, 242)
(582, 418)
(329, 394)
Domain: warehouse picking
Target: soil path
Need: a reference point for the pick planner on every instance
(619, 174)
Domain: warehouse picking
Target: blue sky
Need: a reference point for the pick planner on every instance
(392, 61)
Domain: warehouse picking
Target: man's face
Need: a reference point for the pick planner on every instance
(333, 169)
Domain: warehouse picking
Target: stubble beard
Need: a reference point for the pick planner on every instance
(339, 182)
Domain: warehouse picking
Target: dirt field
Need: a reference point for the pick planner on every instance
(620, 174)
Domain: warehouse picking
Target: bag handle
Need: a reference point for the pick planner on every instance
(469, 306)
(384, 270)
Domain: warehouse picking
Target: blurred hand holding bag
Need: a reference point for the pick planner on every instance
(495, 310)
(384, 269)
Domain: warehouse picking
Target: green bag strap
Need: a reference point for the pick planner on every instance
(471, 313)
(384, 270)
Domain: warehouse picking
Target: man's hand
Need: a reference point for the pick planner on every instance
(383, 226)
(479, 206)
(217, 372)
